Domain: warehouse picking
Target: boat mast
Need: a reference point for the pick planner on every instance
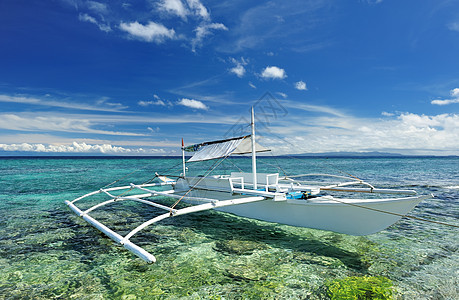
(254, 157)
(183, 158)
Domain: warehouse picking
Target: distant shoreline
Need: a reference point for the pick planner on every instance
(298, 156)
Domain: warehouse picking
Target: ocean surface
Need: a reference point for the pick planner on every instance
(47, 252)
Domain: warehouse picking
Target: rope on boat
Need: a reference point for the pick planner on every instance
(396, 214)
(278, 165)
(121, 178)
(242, 171)
(140, 169)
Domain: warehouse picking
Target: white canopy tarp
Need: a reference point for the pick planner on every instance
(246, 147)
(213, 151)
(242, 145)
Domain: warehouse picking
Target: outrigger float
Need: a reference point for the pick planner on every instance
(269, 197)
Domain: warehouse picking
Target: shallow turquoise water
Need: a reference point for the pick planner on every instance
(46, 252)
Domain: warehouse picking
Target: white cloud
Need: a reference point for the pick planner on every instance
(62, 124)
(387, 114)
(178, 8)
(104, 101)
(408, 133)
(147, 103)
(193, 104)
(76, 147)
(157, 102)
(300, 85)
(152, 32)
(198, 9)
(445, 102)
(153, 130)
(273, 73)
(454, 93)
(39, 138)
(239, 69)
(202, 31)
(314, 108)
(101, 105)
(174, 7)
(97, 7)
(373, 1)
(88, 18)
(283, 95)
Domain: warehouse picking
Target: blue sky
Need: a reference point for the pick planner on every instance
(134, 77)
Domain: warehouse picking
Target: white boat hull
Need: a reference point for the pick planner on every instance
(337, 217)
(349, 216)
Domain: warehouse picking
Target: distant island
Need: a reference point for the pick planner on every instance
(350, 154)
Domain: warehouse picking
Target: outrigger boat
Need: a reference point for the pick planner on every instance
(264, 196)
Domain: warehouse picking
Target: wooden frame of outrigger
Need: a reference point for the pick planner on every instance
(171, 211)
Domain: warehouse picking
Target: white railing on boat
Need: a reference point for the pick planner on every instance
(339, 187)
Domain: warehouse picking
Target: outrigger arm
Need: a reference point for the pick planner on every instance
(171, 212)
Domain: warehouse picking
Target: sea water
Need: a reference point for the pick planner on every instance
(47, 252)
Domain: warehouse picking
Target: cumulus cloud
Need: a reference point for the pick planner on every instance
(273, 73)
(239, 68)
(184, 9)
(204, 30)
(445, 102)
(300, 85)
(454, 93)
(199, 27)
(196, 104)
(76, 147)
(88, 18)
(152, 32)
(196, 11)
(407, 133)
